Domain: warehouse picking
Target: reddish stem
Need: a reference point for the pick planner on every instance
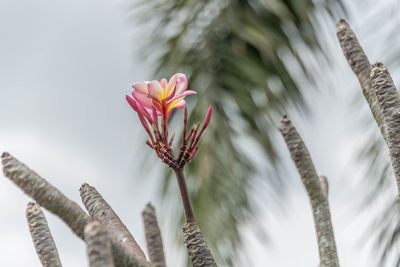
(192, 143)
(165, 125)
(187, 206)
(190, 134)
(184, 126)
(149, 144)
(193, 153)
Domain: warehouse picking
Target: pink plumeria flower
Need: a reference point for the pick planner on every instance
(162, 96)
(157, 98)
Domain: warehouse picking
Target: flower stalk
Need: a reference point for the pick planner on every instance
(154, 99)
(187, 206)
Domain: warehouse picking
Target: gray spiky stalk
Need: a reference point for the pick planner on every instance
(197, 247)
(98, 245)
(54, 201)
(99, 209)
(389, 102)
(153, 237)
(41, 236)
(45, 194)
(361, 67)
(312, 183)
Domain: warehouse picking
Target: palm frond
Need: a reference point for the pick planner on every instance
(233, 53)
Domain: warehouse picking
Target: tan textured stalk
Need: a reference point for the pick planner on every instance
(45, 194)
(389, 102)
(98, 245)
(361, 67)
(319, 203)
(53, 200)
(41, 236)
(99, 209)
(196, 246)
(153, 237)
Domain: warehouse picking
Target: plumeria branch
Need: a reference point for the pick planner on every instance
(379, 91)
(99, 209)
(54, 201)
(153, 237)
(45, 194)
(361, 67)
(98, 245)
(41, 236)
(389, 102)
(316, 190)
(197, 248)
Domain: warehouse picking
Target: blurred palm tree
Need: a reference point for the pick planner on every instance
(236, 55)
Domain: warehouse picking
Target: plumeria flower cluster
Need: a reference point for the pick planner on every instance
(155, 99)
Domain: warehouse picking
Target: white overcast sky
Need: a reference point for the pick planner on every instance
(65, 67)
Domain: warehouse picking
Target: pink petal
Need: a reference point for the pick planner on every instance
(141, 87)
(155, 90)
(142, 99)
(179, 80)
(189, 92)
(156, 104)
(181, 85)
(180, 104)
(171, 95)
(163, 83)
